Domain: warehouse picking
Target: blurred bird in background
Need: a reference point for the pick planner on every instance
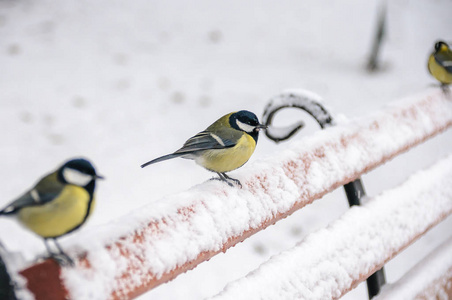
(440, 63)
(224, 146)
(58, 204)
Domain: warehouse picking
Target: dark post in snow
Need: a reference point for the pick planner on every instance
(311, 104)
(373, 63)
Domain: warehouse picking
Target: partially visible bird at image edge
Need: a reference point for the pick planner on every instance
(58, 204)
(440, 63)
(224, 146)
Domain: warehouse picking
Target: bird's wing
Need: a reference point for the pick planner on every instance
(445, 60)
(206, 140)
(47, 189)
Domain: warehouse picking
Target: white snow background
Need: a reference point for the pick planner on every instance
(122, 82)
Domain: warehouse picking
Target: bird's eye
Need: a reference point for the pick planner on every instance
(251, 122)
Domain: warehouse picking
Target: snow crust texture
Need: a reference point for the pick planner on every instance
(331, 261)
(167, 237)
(429, 278)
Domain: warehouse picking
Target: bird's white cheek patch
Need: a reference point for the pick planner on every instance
(76, 177)
(245, 127)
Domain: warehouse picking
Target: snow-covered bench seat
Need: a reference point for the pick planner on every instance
(155, 244)
(330, 262)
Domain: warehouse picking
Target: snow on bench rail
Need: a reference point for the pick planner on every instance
(155, 244)
(333, 260)
(429, 278)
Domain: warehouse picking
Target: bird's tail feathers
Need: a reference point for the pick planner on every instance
(162, 158)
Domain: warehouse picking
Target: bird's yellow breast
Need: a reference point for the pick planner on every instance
(439, 72)
(225, 160)
(59, 216)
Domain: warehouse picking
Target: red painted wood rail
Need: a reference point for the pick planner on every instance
(332, 261)
(137, 259)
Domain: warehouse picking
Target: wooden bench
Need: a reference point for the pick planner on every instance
(181, 231)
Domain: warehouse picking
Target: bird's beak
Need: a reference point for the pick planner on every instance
(98, 177)
(261, 126)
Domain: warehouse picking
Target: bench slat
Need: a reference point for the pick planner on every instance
(138, 252)
(332, 261)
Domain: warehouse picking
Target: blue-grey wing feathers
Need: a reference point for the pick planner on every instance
(30, 198)
(205, 141)
(444, 60)
(47, 189)
(202, 141)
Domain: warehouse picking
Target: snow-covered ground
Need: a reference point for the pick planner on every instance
(122, 82)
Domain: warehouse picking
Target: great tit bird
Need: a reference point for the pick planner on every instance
(440, 63)
(58, 204)
(224, 146)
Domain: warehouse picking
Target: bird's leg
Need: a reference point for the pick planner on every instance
(49, 250)
(232, 179)
(222, 178)
(227, 179)
(445, 88)
(58, 257)
(50, 253)
(61, 257)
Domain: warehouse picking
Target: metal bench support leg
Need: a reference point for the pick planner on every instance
(355, 191)
(312, 105)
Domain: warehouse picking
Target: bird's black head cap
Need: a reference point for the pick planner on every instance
(246, 121)
(79, 164)
(439, 45)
